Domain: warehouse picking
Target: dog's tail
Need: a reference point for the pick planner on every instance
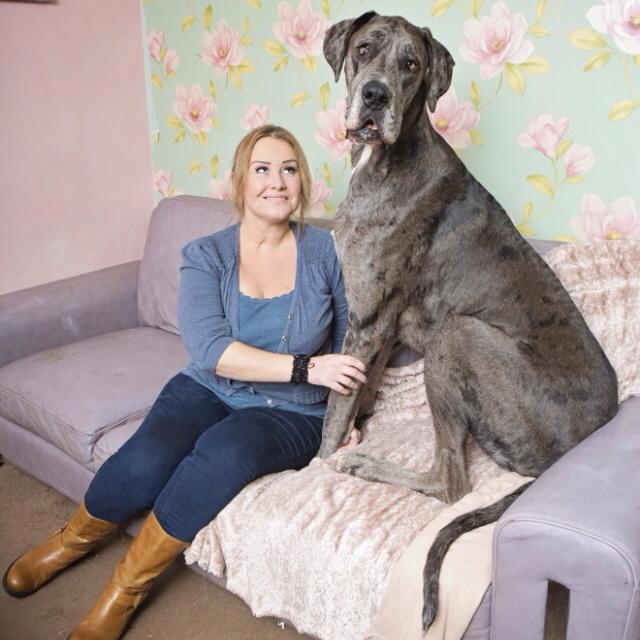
(446, 537)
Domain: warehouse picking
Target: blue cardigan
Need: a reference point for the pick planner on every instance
(208, 309)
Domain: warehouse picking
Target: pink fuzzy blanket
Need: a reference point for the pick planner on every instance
(342, 558)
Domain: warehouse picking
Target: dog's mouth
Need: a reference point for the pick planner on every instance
(367, 132)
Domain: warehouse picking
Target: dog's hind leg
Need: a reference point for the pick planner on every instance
(373, 469)
(447, 479)
(440, 481)
(449, 381)
(445, 379)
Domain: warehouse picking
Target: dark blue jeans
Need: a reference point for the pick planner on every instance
(193, 454)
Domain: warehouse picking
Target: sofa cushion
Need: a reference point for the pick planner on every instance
(174, 222)
(73, 394)
(111, 441)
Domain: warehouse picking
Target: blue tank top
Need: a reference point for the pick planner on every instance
(262, 320)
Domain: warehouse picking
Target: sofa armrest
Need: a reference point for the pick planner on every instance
(578, 525)
(64, 311)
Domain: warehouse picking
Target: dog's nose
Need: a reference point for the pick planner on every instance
(375, 95)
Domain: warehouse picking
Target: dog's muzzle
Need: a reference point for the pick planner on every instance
(375, 97)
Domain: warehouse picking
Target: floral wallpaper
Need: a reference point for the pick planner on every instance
(544, 106)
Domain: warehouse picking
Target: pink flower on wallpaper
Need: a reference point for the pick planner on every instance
(170, 62)
(221, 189)
(255, 116)
(599, 223)
(300, 29)
(578, 159)
(320, 193)
(155, 42)
(194, 108)
(495, 40)
(221, 48)
(453, 120)
(543, 133)
(162, 182)
(621, 20)
(331, 132)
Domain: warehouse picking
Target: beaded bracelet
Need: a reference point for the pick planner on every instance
(301, 368)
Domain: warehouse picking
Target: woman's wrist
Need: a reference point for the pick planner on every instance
(300, 368)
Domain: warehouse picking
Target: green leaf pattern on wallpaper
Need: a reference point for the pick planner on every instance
(542, 107)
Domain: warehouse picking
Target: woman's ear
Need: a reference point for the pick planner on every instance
(439, 69)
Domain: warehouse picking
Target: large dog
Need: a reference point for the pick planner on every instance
(430, 258)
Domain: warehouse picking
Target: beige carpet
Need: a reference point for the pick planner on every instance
(183, 605)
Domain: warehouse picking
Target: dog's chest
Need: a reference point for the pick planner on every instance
(376, 260)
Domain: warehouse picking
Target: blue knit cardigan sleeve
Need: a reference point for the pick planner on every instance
(204, 327)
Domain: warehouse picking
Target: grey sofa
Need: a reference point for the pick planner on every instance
(82, 360)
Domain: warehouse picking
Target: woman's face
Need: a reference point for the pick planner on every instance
(272, 186)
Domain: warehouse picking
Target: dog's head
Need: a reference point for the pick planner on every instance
(386, 61)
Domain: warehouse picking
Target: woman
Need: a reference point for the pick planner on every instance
(250, 296)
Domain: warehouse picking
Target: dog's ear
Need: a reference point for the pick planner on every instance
(336, 40)
(439, 71)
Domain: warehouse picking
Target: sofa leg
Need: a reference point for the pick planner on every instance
(556, 614)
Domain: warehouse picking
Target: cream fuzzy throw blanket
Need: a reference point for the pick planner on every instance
(342, 558)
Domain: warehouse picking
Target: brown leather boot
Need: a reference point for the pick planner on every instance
(38, 565)
(150, 553)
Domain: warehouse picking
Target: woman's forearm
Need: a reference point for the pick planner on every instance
(240, 361)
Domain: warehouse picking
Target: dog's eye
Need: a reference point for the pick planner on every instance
(412, 66)
(363, 49)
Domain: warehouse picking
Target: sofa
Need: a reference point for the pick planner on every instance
(82, 360)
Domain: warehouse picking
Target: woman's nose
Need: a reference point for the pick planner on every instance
(277, 181)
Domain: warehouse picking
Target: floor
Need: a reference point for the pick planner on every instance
(183, 605)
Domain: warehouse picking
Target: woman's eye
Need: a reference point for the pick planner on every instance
(363, 49)
(412, 66)
(291, 170)
(262, 169)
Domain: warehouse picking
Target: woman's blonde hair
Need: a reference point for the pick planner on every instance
(242, 156)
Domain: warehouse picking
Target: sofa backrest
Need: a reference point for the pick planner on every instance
(174, 222)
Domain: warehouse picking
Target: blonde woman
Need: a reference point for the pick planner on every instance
(262, 313)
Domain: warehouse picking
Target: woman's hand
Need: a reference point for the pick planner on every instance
(339, 372)
(354, 439)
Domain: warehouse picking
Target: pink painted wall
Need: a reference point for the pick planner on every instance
(75, 166)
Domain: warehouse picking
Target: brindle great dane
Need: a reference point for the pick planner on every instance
(430, 258)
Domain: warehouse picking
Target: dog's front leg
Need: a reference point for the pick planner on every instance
(374, 376)
(364, 344)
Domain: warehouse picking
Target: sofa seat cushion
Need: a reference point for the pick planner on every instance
(74, 394)
(111, 441)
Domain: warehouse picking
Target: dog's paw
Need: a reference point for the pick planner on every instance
(355, 464)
